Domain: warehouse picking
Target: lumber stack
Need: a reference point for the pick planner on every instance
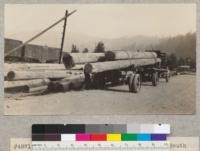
(36, 77)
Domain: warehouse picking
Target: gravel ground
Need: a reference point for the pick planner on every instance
(175, 97)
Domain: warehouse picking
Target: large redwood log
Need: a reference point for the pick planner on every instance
(125, 55)
(26, 86)
(75, 81)
(33, 66)
(30, 89)
(37, 67)
(71, 59)
(119, 64)
(22, 75)
(16, 84)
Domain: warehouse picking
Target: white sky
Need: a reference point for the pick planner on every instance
(104, 20)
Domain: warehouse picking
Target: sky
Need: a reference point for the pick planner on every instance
(103, 20)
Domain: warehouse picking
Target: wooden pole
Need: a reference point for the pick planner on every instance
(39, 34)
(63, 36)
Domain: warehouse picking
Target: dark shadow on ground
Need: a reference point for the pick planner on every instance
(116, 90)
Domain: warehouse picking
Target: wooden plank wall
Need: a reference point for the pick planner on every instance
(31, 52)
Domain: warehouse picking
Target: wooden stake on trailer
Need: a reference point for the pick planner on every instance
(39, 34)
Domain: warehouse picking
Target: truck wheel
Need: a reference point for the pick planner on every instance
(87, 82)
(158, 77)
(71, 87)
(114, 77)
(155, 79)
(167, 78)
(99, 81)
(135, 83)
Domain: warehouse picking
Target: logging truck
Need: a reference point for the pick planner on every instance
(138, 68)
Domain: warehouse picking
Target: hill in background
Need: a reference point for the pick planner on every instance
(180, 45)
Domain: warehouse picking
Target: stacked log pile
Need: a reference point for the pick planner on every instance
(45, 77)
(38, 78)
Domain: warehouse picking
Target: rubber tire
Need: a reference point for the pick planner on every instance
(158, 80)
(115, 78)
(134, 83)
(99, 82)
(167, 78)
(71, 87)
(155, 79)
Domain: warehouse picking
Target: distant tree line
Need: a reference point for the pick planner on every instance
(98, 49)
(181, 50)
(173, 61)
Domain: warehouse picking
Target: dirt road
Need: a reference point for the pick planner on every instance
(175, 97)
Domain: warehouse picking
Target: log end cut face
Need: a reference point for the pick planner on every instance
(10, 75)
(110, 55)
(68, 61)
(88, 68)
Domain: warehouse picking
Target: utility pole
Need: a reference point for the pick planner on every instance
(63, 36)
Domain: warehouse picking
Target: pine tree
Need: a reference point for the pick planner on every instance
(99, 48)
(74, 49)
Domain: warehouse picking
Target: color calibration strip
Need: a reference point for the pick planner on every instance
(116, 137)
(99, 137)
(100, 128)
(100, 132)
